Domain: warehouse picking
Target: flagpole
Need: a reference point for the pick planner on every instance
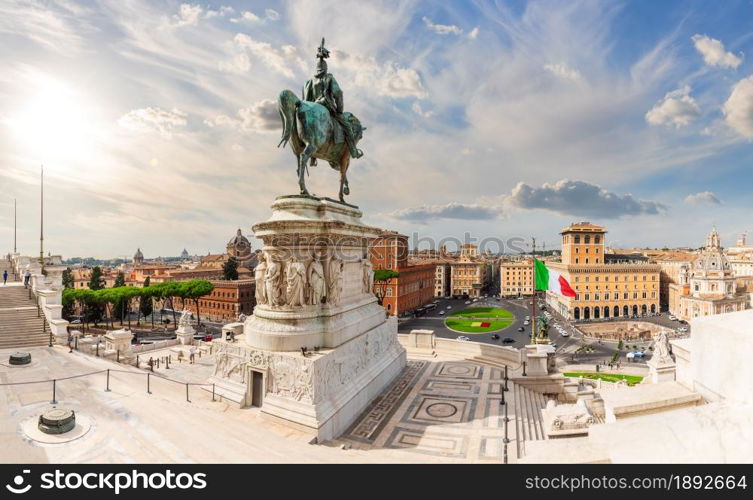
(41, 220)
(15, 220)
(533, 302)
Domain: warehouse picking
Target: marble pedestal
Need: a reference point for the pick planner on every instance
(661, 370)
(185, 334)
(318, 348)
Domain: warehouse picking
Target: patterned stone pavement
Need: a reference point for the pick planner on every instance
(444, 409)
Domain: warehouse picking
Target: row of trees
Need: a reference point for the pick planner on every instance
(118, 302)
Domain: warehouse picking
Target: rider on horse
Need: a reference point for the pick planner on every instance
(323, 89)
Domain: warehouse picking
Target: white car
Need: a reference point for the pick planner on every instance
(564, 333)
(682, 329)
(463, 337)
(475, 300)
(441, 313)
(467, 301)
(526, 322)
(449, 307)
(672, 317)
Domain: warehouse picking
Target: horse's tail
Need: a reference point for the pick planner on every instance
(286, 104)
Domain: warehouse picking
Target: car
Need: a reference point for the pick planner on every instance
(564, 333)
(553, 345)
(520, 329)
(475, 300)
(508, 340)
(441, 313)
(449, 307)
(526, 322)
(495, 336)
(672, 317)
(682, 329)
(528, 318)
(683, 322)
(467, 302)
(530, 303)
(463, 337)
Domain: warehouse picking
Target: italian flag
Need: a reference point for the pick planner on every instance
(548, 279)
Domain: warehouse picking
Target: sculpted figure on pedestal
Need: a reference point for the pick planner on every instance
(317, 286)
(259, 273)
(368, 275)
(661, 348)
(185, 319)
(296, 283)
(335, 284)
(273, 282)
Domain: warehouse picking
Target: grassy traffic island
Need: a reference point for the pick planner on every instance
(607, 377)
(479, 320)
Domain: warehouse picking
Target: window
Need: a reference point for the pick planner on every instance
(596, 240)
(587, 239)
(577, 238)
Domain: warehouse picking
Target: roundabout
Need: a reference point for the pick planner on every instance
(475, 320)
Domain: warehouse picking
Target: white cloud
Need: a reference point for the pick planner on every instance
(272, 14)
(738, 109)
(442, 29)
(416, 107)
(580, 198)
(281, 60)
(473, 34)
(562, 70)
(677, 108)
(260, 117)
(221, 12)
(154, 120)
(452, 210)
(388, 79)
(713, 52)
(246, 16)
(703, 198)
(188, 15)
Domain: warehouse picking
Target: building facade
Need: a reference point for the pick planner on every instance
(603, 289)
(708, 286)
(469, 273)
(228, 300)
(516, 278)
(415, 285)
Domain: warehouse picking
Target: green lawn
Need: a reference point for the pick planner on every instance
(607, 377)
(484, 312)
(464, 325)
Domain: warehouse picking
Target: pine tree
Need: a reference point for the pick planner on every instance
(230, 269)
(119, 306)
(145, 302)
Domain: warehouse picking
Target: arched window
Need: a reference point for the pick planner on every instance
(576, 313)
(616, 311)
(587, 239)
(597, 239)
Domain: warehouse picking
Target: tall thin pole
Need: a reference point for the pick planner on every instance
(15, 223)
(41, 220)
(533, 302)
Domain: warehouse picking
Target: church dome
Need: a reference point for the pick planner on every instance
(238, 239)
(138, 255)
(712, 257)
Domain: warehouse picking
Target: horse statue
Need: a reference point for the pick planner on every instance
(312, 133)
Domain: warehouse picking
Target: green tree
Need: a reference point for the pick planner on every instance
(68, 278)
(68, 284)
(96, 281)
(230, 269)
(195, 289)
(146, 306)
(381, 280)
(94, 308)
(119, 307)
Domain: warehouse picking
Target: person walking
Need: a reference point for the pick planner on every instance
(27, 278)
(192, 356)
(70, 340)
(5, 276)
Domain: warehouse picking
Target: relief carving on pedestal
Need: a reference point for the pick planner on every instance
(316, 282)
(274, 281)
(335, 282)
(368, 275)
(259, 274)
(291, 377)
(296, 283)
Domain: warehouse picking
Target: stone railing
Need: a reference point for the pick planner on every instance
(477, 351)
(47, 289)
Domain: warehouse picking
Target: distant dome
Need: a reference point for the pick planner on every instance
(712, 258)
(238, 239)
(138, 256)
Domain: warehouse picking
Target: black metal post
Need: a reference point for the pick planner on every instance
(502, 401)
(54, 391)
(137, 361)
(524, 368)
(117, 356)
(75, 341)
(187, 394)
(212, 392)
(148, 387)
(97, 347)
(107, 389)
(50, 341)
(505, 389)
(506, 440)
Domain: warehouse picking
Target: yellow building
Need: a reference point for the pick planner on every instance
(468, 275)
(516, 278)
(607, 285)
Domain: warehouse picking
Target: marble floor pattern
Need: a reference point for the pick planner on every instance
(452, 410)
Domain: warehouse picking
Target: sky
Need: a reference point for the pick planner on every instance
(157, 124)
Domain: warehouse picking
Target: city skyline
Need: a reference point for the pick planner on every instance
(156, 122)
